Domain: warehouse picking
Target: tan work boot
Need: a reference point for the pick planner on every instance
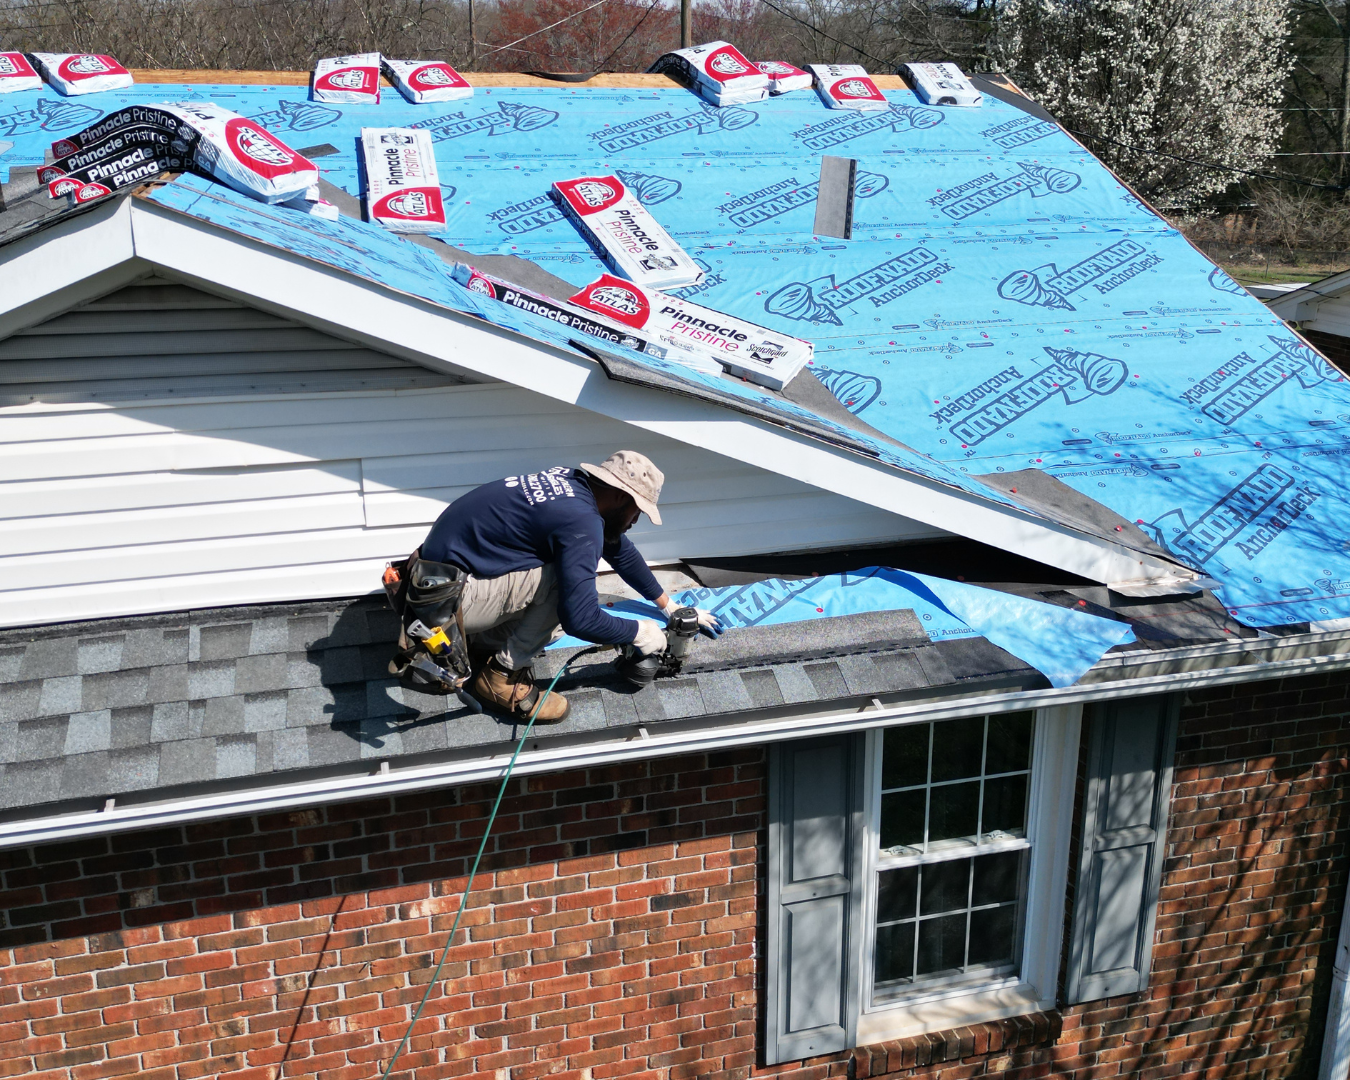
(514, 694)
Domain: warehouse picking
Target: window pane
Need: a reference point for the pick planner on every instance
(993, 935)
(895, 952)
(945, 886)
(902, 819)
(998, 878)
(956, 748)
(1009, 743)
(942, 944)
(904, 757)
(953, 811)
(1005, 804)
(897, 892)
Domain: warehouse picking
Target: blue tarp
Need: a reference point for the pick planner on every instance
(1058, 642)
(1005, 304)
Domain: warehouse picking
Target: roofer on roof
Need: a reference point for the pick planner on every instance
(531, 546)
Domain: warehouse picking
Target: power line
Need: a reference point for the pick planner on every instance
(536, 33)
(1208, 164)
(830, 37)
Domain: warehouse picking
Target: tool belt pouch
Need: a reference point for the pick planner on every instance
(433, 594)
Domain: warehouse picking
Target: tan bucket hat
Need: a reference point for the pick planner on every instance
(634, 473)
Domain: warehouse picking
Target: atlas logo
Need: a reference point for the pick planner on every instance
(432, 76)
(617, 299)
(773, 67)
(350, 78)
(9, 67)
(88, 65)
(725, 64)
(854, 88)
(63, 186)
(261, 147)
(413, 204)
(481, 285)
(594, 193)
(89, 192)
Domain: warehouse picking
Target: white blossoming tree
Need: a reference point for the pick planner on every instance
(1194, 79)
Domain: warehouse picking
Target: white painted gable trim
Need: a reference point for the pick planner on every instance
(87, 256)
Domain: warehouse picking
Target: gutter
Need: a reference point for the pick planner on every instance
(1123, 675)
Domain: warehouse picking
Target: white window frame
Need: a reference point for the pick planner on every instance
(1054, 767)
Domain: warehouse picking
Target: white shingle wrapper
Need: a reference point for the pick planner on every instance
(624, 234)
(717, 71)
(348, 80)
(131, 166)
(847, 86)
(569, 315)
(82, 73)
(763, 356)
(423, 81)
(943, 84)
(403, 190)
(784, 77)
(726, 98)
(241, 154)
(167, 135)
(311, 202)
(16, 73)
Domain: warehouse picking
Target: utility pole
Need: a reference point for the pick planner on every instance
(473, 39)
(686, 23)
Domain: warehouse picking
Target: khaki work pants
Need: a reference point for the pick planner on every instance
(515, 615)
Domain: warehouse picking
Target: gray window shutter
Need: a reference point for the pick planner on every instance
(1124, 843)
(815, 902)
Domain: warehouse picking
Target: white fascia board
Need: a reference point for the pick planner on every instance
(1300, 305)
(1136, 675)
(409, 327)
(59, 267)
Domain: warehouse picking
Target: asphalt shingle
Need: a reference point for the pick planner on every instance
(168, 701)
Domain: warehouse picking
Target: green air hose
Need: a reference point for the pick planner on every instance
(473, 871)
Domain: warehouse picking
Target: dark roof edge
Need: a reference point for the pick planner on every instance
(1120, 675)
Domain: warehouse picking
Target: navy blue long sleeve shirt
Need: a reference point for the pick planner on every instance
(549, 517)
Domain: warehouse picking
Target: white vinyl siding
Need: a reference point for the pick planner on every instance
(118, 498)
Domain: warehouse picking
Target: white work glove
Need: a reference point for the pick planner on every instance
(707, 621)
(650, 637)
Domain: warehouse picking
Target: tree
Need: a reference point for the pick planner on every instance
(1200, 80)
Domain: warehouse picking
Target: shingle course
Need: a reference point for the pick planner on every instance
(92, 710)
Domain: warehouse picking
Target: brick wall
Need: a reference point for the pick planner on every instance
(615, 931)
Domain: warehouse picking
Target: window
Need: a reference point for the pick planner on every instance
(916, 877)
(951, 866)
(965, 856)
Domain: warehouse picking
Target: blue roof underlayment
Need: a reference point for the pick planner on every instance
(1006, 304)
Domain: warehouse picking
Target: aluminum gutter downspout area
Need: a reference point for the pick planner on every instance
(1123, 675)
(1336, 1035)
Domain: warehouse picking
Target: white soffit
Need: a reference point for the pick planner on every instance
(95, 252)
